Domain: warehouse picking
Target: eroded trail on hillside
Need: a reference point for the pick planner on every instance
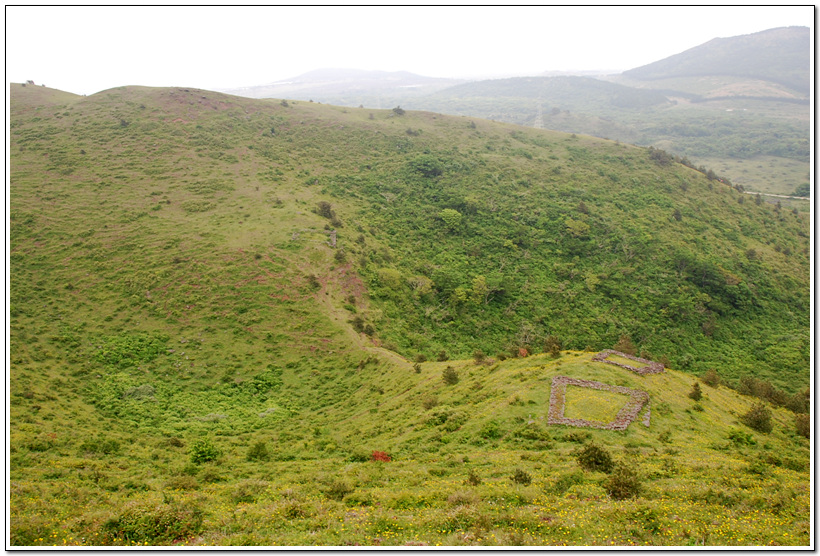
(335, 286)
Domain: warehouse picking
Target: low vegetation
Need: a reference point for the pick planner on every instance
(220, 376)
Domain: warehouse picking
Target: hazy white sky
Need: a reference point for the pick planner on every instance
(88, 49)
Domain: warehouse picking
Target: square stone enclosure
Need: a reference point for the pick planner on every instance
(637, 400)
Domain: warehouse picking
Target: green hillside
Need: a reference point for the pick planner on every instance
(262, 322)
(678, 121)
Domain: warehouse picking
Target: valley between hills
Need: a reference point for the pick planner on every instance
(267, 322)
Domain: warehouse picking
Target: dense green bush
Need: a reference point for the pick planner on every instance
(338, 489)
(203, 450)
(711, 378)
(802, 421)
(595, 458)
(258, 452)
(623, 483)
(534, 432)
(127, 350)
(579, 437)
(492, 430)
(521, 477)
(450, 375)
(567, 481)
(248, 491)
(156, 524)
(759, 417)
(473, 478)
(741, 438)
(359, 455)
(100, 445)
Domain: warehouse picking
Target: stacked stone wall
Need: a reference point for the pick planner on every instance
(649, 368)
(627, 414)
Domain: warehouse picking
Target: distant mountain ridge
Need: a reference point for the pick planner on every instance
(779, 55)
(339, 85)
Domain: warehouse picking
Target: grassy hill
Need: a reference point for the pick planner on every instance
(737, 104)
(780, 56)
(216, 304)
(740, 128)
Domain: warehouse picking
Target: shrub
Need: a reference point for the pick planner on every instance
(578, 437)
(421, 358)
(258, 452)
(357, 323)
(417, 368)
(462, 498)
(210, 474)
(595, 458)
(442, 356)
(758, 418)
(473, 478)
(625, 345)
(623, 483)
(803, 423)
(534, 432)
(567, 481)
(358, 499)
(741, 438)
(479, 356)
(359, 455)
(182, 482)
(450, 375)
(380, 456)
(202, 451)
(429, 402)
(338, 489)
(313, 282)
(99, 446)
(800, 402)
(757, 467)
(521, 477)
(711, 378)
(155, 523)
(491, 429)
(696, 393)
(248, 491)
(175, 442)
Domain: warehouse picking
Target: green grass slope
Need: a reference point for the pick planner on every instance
(215, 301)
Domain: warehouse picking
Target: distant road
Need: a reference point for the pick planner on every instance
(781, 196)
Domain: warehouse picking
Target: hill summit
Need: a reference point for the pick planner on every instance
(778, 55)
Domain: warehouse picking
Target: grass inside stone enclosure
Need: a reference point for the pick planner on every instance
(593, 405)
